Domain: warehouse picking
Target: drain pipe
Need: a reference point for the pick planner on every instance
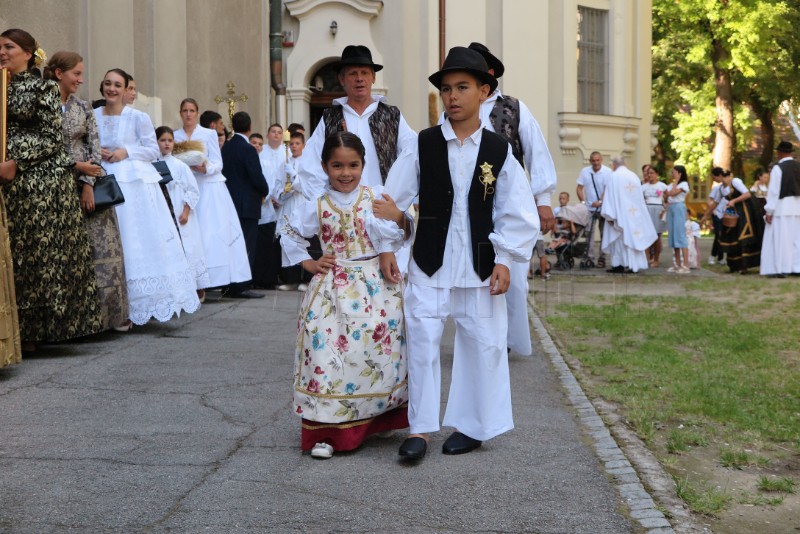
(276, 59)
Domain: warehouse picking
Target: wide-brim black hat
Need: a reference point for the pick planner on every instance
(785, 147)
(495, 64)
(461, 59)
(357, 55)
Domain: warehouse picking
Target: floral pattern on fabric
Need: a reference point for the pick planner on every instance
(53, 275)
(10, 347)
(83, 144)
(351, 354)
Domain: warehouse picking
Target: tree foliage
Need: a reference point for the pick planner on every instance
(718, 67)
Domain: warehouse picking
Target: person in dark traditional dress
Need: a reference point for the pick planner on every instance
(55, 282)
(742, 242)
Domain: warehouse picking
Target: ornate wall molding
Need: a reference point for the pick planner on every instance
(610, 135)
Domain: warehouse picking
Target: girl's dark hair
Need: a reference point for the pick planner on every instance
(24, 40)
(342, 140)
(719, 171)
(682, 171)
(189, 101)
(62, 60)
(125, 76)
(161, 130)
(758, 172)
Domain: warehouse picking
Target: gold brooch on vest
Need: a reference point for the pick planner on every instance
(487, 179)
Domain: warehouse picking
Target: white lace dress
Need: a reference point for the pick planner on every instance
(160, 281)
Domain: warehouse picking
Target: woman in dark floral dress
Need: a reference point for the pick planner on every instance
(53, 274)
(83, 145)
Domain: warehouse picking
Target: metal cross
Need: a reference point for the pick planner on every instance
(231, 100)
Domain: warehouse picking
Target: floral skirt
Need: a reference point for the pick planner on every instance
(350, 361)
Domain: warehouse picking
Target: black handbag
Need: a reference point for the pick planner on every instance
(107, 192)
(163, 170)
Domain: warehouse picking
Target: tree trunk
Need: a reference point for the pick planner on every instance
(725, 135)
(767, 135)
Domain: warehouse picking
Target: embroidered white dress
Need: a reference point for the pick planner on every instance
(183, 190)
(351, 357)
(223, 242)
(160, 281)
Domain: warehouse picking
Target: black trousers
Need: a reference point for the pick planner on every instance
(250, 234)
(267, 260)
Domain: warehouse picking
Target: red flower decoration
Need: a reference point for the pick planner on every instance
(379, 332)
(340, 279)
(313, 386)
(342, 343)
(318, 370)
(339, 242)
(299, 410)
(383, 313)
(326, 232)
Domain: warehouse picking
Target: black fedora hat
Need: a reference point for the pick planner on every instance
(495, 64)
(461, 59)
(357, 55)
(785, 147)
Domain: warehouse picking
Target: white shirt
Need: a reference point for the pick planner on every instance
(654, 193)
(594, 184)
(680, 197)
(538, 162)
(271, 160)
(777, 206)
(311, 174)
(516, 222)
(717, 196)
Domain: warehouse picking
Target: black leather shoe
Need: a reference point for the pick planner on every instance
(459, 443)
(619, 269)
(246, 294)
(413, 448)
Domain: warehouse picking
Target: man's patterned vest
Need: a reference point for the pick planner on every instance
(384, 124)
(505, 121)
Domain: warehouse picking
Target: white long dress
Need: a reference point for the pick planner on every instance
(223, 242)
(183, 190)
(160, 281)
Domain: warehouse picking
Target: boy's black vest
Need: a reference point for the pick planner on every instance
(384, 124)
(436, 201)
(790, 178)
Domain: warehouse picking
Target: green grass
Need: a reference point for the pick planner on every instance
(781, 485)
(701, 497)
(682, 440)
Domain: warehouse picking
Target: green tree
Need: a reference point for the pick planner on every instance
(718, 65)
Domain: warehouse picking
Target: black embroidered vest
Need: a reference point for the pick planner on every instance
(384, 124)
(436, 201)
(790, 178)
(505, 121)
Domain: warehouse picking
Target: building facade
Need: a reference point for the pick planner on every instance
(582, 66)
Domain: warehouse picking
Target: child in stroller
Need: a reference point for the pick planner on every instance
(570, 227)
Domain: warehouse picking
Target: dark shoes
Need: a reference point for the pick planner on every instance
(246, 294)
(459, 443)
(413, 448)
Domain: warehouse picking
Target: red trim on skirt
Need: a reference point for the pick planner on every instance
(350, 435)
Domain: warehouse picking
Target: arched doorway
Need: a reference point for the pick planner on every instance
(324, 89)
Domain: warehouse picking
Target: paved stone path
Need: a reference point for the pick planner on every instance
(187, 427)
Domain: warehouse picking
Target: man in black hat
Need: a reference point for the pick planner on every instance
(381, 127)
(780, 250)
(512, 119)
(476, 217)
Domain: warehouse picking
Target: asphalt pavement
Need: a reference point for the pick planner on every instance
(187, 426)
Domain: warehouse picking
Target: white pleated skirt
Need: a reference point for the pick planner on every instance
(223, 242)
(160, 282)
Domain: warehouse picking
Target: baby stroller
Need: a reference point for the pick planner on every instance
(567, 245)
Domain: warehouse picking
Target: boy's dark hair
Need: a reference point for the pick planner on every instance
(718, 171)
(161, 130)
(298, 135)
(295, 128)
(256, 135)
(342, 140)
(208, 116)
(241, 122)
(273, 125)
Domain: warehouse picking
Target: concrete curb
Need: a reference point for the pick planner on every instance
(641, 506)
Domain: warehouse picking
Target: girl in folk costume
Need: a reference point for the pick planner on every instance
(160, 281)
(740, 239)
(184, 195)
(350, 367)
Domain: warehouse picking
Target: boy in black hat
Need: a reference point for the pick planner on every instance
(476, 216)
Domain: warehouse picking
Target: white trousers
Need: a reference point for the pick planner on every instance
(479, 404)
(519, 330)
(780, 250)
